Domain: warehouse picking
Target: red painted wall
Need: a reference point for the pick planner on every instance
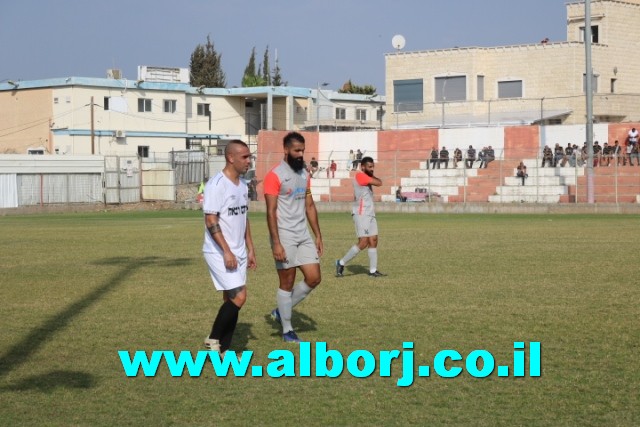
(270, 152)
(406, 144)
(620, 131)
(521, 142)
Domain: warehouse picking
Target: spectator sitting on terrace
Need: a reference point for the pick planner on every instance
(634, 155)
(434, 159)
(444, 157)
(399, 196)
(558, 155)
(457, 157)
(569, 156)
(522, 172)
(627, 153)
(597, 154)
(482, 157)
(606, 155)
(471, 157)
(489, 156)
(314, 167)
(583, 155)
(547, 156)
(616, 153)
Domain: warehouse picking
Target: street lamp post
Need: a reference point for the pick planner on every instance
(318, 105)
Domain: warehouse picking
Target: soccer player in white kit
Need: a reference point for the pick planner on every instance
(364, 217)
(287, 189)
(228, 248)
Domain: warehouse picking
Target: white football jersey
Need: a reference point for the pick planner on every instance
(231, 203)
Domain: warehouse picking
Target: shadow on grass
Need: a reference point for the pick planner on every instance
(41, 334)
(241, 337)
(300, 321)
(51, 381)
(357, 269)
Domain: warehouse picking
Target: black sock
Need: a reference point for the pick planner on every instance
(225, 324)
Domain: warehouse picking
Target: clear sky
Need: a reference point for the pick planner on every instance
(316, 41)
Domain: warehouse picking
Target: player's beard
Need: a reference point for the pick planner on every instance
(370, 173)
(297, 164)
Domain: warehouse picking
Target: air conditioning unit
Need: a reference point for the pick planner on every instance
(120, 134)
(114, 73)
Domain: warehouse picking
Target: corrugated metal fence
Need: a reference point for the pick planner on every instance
(27, 180)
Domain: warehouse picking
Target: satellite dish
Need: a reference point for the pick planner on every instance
(398, 41)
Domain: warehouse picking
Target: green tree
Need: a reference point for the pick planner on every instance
(206, 66)
(266, 70)
(277, 76)
(250, 70)
(349, 87)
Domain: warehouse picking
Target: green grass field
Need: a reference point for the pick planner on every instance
(76, 288)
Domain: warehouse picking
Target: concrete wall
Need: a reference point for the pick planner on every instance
(27, 124)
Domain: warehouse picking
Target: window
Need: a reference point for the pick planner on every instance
(480, 87)
(451, 88)
(203, 110)
(361, 114)
(613, 85)
(144, 105)
(170, 105)
(379, 114)
(594, 34)
(510, 89)
(594, 83)
(143, 150)
(105, 104)
(408, 95)
(341, 113)
(194, 144)
(55, 100)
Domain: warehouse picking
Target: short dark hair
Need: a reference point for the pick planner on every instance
(227, 149)
(366, 160)
(288, 139)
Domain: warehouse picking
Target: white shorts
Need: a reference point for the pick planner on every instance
(366, 226)
(298, 253)
(224, 279)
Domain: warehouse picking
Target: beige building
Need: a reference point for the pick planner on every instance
(541, 83)
(149, 117)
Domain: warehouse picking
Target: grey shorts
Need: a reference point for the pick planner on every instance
(366, 226)
(298, 253)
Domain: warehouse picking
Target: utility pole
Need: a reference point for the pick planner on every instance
(589, 97)
(318, 105)
(93, 136)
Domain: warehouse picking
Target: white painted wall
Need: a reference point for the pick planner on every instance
(478, 137)
(336, 146)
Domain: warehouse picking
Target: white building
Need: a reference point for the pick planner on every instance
(160, 112)
(542, 82)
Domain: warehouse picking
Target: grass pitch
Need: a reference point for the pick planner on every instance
(76, 288)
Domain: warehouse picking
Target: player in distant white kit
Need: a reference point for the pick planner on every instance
(228, 248)
(287, 189)
(364, 217)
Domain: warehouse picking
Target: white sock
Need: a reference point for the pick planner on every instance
(284, 307)
(373, 260)
(300, 292)
(351, 254)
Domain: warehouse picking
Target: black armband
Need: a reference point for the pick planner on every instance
(214, 228)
